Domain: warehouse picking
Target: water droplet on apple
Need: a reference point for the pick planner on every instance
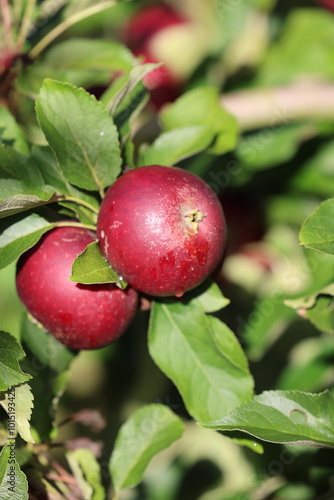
(179, 293)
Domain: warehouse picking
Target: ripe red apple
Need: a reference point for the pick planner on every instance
(162, 229)
(79, 316)
(164, 85)
(329, 4)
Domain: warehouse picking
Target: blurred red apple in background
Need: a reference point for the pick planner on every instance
(142, 36)
(329, 4)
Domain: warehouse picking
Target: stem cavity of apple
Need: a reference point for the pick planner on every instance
(193, 220)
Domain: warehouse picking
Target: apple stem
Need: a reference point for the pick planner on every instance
(193, 220)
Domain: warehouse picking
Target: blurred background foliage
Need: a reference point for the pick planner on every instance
(281, 170)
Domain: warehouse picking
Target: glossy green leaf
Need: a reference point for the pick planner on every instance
(208, 296)
(202, 357)
(148, 431)
(176, 145)
(18, 403)
(10, 371)
(81, 134)
(91, 267)
(201, 106)
(13, 482)
(19, 236)
(284, 417)
(317, 232)
(87, 471)
(49, 169)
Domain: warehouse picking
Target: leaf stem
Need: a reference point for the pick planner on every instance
(81, 202)
(67, 23)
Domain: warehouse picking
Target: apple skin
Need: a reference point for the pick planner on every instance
(162, 229)
(79, 316)
(147, 22)
(329, 4)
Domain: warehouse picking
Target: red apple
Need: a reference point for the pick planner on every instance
(162, 229)
(79, 316)
(329, 4)
(149, 21)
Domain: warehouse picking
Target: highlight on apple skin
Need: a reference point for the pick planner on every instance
(162, 229)
(79, 316)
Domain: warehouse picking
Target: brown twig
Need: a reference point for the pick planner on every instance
(275, 106)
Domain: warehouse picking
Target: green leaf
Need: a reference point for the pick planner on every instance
(171, 147)
(84, 205)
(309, 366)
(19, 236)
(305, 48)
(149, 430)
(17, 203)
(288, 417)
(210, 299)
(120, 101)
(49, 169)
(10, 132)
(18, 403)
(13, 482)
(202, 106)
(81, 134)
(269, 147)
(10, 371)
(317, 308)
(91, 267)
(14, 165)
(48, 362)
(316, 176)
(87, 472)
(267, 322)
(202, 357)
(127, 96)
(89, 54)
(22, 186)
(317, 232)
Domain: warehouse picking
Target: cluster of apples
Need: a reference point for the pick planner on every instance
(162, 229)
